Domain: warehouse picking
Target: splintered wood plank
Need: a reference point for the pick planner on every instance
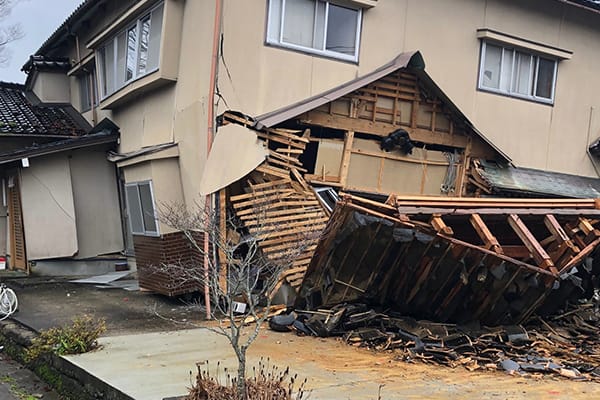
(252, 195)
(539, 254)
(299, 178)
(489, 240)
(564, 243)
(272, 171)
(581, 256)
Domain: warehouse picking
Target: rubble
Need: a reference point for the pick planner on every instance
(567, 345)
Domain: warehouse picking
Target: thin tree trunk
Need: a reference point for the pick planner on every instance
(241, 376)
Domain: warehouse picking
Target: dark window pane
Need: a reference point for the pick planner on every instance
(84, 92)
(342, 24)
(134, 209)
(545, 78)
(147, 207)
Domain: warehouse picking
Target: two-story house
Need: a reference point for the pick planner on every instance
(506, 80)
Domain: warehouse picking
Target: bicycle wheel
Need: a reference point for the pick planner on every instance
(8, 303)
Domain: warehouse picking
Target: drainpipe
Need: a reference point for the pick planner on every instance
(587, 149)
(209, 137)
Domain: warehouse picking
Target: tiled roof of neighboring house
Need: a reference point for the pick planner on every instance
(536, 183)
(21, 113)
(36, 150)
(43, 63)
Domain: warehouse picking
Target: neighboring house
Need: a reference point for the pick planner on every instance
(60, 205)
(519, 76)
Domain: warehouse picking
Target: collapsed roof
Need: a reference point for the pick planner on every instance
(492, 260)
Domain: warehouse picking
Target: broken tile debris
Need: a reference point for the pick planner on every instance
(566, 344)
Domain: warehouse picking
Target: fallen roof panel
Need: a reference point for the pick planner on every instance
(422, 268)
(533, 182)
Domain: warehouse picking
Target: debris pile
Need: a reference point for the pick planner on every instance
(566, 345)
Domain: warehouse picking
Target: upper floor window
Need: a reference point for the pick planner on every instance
(140, 208)
(88, 89)
(132, 53)
(517, 73)
(315, 26)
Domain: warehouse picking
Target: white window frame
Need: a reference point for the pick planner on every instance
(326, 53)
(535, 58)
(137, 185)
(114, 39)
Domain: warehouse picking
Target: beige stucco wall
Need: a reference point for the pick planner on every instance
(52, 87)
(535, 135)
(48, 208)
(96, 200)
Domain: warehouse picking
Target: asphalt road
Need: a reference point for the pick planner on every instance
(19, 383)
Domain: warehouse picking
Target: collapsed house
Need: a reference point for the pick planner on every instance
(445, 254)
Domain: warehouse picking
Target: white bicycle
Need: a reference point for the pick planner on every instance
(8, 302)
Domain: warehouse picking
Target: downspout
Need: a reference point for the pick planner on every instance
(587, 149)
(209, 138)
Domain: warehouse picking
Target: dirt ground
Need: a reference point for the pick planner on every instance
(46, 304)
(404, 380)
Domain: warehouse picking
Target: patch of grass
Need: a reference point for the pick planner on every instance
(79, 337)
(16, 389)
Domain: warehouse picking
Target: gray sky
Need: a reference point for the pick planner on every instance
(39, 19)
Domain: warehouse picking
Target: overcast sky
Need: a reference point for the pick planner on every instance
(39, 19)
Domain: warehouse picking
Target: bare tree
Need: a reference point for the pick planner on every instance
(241, 278)
(8, 33)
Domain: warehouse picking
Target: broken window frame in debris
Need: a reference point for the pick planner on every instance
(320, 29)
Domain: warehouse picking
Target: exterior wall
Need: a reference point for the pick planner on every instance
(96, 199)
(48, 208)
(534, 135)
(52, 87)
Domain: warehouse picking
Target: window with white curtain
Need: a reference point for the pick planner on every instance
(517, 73)
(315, 26)
(131, 53)
(140, 208)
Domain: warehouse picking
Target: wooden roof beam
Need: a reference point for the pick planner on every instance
(382, 129)
(489, 240)
(539, 254)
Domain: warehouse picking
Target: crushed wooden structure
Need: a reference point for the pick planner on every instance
(277, 204)
(455, 259)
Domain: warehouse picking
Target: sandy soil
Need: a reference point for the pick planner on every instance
(404, 380)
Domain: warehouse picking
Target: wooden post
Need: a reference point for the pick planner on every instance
(346, 157)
